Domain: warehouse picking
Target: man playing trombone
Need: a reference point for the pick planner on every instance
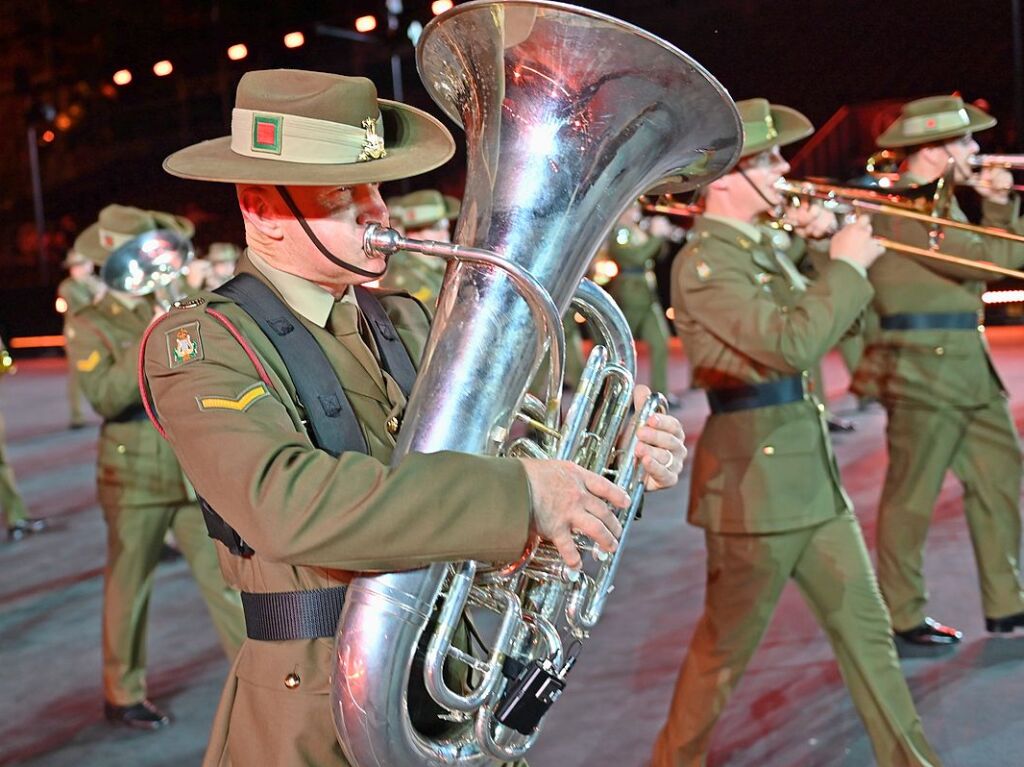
(765, 485)
(930, 367)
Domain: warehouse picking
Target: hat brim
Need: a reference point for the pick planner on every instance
(88, 242)
(790, 127)
(893, 138)
(417, 143)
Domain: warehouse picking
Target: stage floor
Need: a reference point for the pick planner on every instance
(790, 710)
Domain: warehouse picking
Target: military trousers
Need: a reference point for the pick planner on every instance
(75, 397)
(980, 446)
(135, 535)
(652, 328)
(745, 577)
(11, 502)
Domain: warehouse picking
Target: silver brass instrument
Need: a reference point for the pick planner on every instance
(153, 262)
(1008, 161)
(569, 115)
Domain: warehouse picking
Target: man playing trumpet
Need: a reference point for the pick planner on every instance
(765, 485)
(930, 367)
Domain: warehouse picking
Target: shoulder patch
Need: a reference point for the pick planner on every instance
(184, 344)
(241, 403)
(89, 363)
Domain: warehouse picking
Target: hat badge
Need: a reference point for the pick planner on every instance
(373, 145)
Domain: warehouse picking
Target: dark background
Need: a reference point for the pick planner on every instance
(57, 58)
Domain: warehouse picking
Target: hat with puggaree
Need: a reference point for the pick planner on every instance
(936, 118)
(298, 128)
(119, 224)
(425, 208)
(766, 125)
(74, 258)
(223, 252)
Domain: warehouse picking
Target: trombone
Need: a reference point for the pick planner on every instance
(910, 204)
(1004, 161)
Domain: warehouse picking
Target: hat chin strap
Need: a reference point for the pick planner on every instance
(290, 202)
(963, 168)
(771, 205)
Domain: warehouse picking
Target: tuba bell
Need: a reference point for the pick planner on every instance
(569, 116)
(153, 263)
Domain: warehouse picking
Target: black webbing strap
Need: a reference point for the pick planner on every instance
(283, 615)
(394, 357)
(779, 392)
(332, 423)
(931, 321)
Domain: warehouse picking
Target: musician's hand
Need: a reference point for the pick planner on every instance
(659, 446)
(994, 184)
(811, 221)
(854, 243)
(569, 499)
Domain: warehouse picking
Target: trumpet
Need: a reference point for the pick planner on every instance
(912, 204)
(1007, 161)
(7, 366)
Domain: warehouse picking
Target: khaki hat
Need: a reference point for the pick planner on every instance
(422, 209)
(766, 125)
(222, 252)
(74, 258)
(935, 118)
(297, 128)
(119, 224)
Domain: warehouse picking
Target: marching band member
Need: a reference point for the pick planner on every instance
(765, 485)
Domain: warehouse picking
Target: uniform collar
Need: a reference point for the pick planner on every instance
(302, 296)
(742, 232)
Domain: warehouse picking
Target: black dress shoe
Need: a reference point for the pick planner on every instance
(140, 716)
(23, 527)
(930, 633)
(839, 425)
(1005, 624)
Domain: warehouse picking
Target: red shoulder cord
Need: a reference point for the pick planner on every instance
(147, 401)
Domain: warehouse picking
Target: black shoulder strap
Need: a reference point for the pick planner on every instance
(394, 356)
(332, 423)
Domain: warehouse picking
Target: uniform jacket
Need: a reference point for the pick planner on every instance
(314, 520)
(634, 287)
(934, 368)
(77, 294)
(135, 466)
(420, 276)
(746, 317)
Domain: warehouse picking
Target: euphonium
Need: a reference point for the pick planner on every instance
(569, 115)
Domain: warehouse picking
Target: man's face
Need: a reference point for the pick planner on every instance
(961, 149)
(763, 170)
(338, 217)
(80, 271)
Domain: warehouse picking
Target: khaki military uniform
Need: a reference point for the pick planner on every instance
(420, 276)
(767, 491)
(142, 492)
(77, 295)
(947, 409)
(11, 502)
(635, 290)
(314, 521)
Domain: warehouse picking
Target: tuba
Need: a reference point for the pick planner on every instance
(569, 116)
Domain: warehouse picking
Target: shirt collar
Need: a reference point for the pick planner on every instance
(304, 297)
(747, 229)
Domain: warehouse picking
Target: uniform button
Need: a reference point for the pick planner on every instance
(121, 449)
(821, 407)
(392, 425)
(940, 350)
(768, 450)
(292, 681)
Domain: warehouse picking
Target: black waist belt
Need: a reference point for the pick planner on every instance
(936, 321)
(134, 413)
(283, 615)
(780, 392)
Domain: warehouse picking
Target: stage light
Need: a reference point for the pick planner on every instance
(62, 121)
(163, 68)
(366, 24)
(414, 31)
(122, 77)
(294, 40)
(440, 6)
(1003, 296)
(238, 52)
(48, 136)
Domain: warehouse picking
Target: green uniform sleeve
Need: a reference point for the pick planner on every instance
(109, 381)
(236, 439)
(743, 315)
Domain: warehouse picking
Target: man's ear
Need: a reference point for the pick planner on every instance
(724, 184)
(259, 209)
